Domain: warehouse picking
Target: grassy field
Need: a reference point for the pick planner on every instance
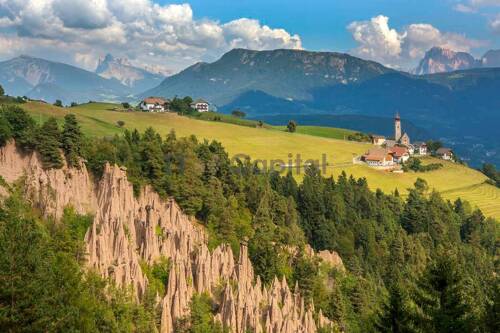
(453, 180)
(325, 132)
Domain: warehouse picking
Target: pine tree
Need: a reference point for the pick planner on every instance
(441, 297)
(395, 316)
(71, 140)
(49, 143)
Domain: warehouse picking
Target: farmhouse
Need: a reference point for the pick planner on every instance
(200, 105)
(378, 157)
(420, 148)
(155, 104)
(445, 153)
(400, 154)
(378, 140)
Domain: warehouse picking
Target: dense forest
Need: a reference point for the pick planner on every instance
(413, 264)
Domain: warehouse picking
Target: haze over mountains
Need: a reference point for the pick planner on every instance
(114, 79)
(42, 79)
(459, 107)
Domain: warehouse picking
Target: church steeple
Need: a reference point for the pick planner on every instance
(397, 127)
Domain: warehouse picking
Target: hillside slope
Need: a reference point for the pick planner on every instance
(128, 231)
(453, 180)
(457, 107)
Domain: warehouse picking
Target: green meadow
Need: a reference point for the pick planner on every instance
(272, 143)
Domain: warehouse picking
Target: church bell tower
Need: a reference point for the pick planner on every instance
(397, 127)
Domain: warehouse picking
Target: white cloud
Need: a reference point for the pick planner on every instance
(473, 6)
(495, 24)
(460, 7)
(378, 41)
(249, 33)
(144, 31)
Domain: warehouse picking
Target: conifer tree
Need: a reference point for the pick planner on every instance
(395, 315)
(442, 303)
(49, 143)
(71, 140)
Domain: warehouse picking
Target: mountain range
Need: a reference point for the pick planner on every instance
(440, 60)
(287, 74)
(458, 107)
(114, 79)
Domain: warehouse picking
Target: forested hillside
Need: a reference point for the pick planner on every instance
(414, 264)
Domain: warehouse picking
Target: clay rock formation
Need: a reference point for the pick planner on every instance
(49, 190)
(129, 230)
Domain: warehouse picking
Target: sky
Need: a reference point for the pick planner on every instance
(169, 36)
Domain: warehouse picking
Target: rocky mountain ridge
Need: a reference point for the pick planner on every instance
(439, 60)
(128, 229)
(138, 79)
(443, 60)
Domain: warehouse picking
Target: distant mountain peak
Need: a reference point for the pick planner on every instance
(121, 69)
(440, 59)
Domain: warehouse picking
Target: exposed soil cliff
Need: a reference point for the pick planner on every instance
(128, 229)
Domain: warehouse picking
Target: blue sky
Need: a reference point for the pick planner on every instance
(169, 36)
(322, 23)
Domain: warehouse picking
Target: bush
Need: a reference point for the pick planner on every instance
(5, 131)
(120, 123)
(58, 103)
(22, 125)
(359, 137)
(292, 126)
(414, 164)
(239, 114)
(73, 104)
(126, 105)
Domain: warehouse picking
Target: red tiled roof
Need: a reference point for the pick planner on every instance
(154, 100)
(378, 154)
(399, 151)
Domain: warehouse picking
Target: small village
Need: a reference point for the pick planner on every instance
(392, 153)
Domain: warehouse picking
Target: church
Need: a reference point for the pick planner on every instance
(403, 139)
(400, 138)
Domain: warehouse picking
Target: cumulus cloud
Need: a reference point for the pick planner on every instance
(146, 32)
(378, 41)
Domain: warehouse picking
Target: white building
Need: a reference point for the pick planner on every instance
(378, 140)
(420, 148)
(200, 105)
(378, 157)
(445, 153)
(155, 104)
